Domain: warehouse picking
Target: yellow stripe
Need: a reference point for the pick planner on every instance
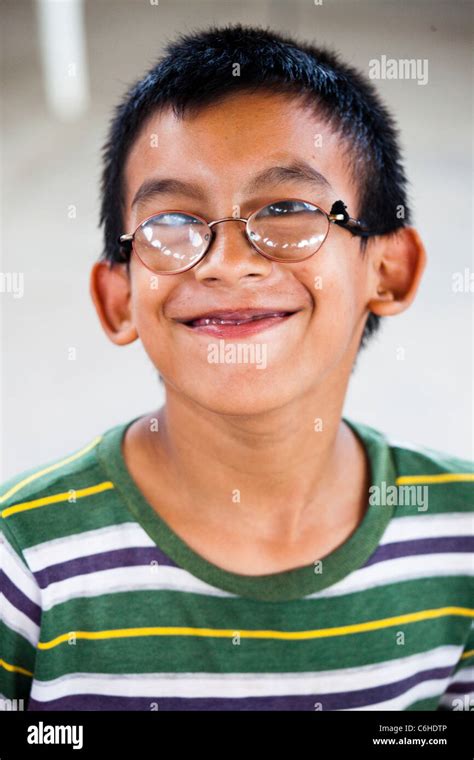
(14, 668)
(373, 625)
(51, 468)
(467, 654)
(58, 497)
(447, 477)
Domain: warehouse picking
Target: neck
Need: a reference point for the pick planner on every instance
(281, 468)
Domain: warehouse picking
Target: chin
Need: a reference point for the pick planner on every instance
(241, 393)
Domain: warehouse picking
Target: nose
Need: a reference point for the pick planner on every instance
(230, 258)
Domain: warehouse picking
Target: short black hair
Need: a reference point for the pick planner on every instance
(199, 69)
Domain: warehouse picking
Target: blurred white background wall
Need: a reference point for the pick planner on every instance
(53, 403)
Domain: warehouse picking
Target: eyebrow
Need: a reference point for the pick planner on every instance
(297, 170)
(153, 187)
(274, 175)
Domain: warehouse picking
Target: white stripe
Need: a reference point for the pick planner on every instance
(19, 622)
(397, 571)
(164, 578)
(86, 544)
(446, 462)
(220, 685)
(131, 534)
(464, 675)
(129, 579)
(428, 526)
(17, 571)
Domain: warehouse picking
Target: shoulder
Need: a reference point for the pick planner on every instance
(47, 502)
(413, 455)
(427, 499)
(448, 479)
(413, 473)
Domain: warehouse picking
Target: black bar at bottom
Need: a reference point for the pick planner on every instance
(440, 734)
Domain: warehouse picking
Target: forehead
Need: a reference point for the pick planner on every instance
(223, 145)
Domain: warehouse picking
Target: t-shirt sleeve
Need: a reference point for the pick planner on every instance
(20, 615)
(459, 693)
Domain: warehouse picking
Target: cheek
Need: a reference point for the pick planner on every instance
(149, 294)
(336, 281)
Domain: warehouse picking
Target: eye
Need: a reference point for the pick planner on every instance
(280, 208)
(172, 220)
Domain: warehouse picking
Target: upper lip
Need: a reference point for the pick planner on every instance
(237, 314)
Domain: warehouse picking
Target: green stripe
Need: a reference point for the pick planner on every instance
(131, 609)
(443, 498)
(14, 686)
(65, 519)
(15, 649)
(430, 703)
(187, 654)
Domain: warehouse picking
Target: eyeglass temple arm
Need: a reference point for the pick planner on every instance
(338, 215)
(125, 242)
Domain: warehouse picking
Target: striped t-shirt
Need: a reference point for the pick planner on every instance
(105, 607)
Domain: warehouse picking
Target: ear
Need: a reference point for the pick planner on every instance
(110, 291)
(399, 260)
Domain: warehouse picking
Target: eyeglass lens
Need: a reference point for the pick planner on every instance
(286, 230)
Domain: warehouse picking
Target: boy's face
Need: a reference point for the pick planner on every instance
(220, 150)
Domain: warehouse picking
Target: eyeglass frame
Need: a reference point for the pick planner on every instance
(338, 215)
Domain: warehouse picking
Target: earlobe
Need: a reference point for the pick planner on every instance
(399, 261)
(110, 292)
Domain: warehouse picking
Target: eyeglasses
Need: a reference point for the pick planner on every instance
(286, 231)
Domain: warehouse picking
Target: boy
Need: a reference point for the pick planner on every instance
(245, 547)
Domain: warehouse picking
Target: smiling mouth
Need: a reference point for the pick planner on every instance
(237, 320)
(236, 323)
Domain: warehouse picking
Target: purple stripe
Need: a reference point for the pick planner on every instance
(19, 600)
(461, 688)
(129, 557)
(421, 546)
(339, 701)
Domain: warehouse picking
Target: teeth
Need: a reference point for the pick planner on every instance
(216, 321)
(205, 321)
